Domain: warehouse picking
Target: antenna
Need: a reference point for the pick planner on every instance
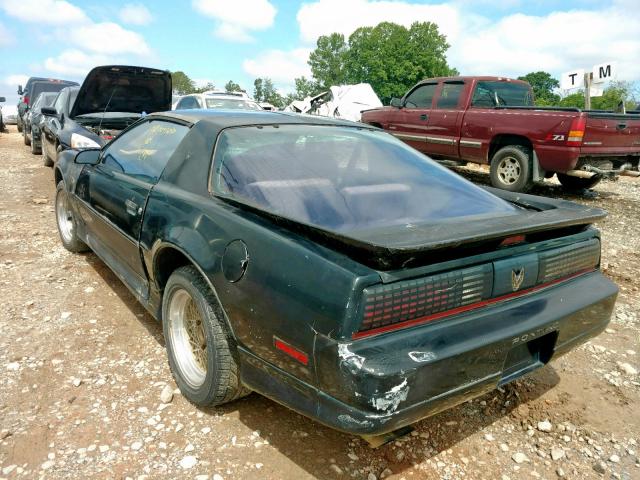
(105, 108)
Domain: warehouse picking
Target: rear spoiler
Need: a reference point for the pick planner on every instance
(397, 247)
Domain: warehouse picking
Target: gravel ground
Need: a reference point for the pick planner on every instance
(86, 392)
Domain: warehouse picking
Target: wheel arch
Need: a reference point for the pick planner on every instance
(167, 258)
(57, 176)
(505, 139)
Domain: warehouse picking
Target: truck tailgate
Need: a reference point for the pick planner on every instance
(612, 130)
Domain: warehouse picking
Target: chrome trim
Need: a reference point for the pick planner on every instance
(592, 143)
(441, 140)
(406, 136)
(470, 143)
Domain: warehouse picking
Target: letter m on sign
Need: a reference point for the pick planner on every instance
(604, 71)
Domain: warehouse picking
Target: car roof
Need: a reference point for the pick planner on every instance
(223, 118)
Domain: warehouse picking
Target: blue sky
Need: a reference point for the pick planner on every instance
(219, 40)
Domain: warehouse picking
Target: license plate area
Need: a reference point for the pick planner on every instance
(528, 356)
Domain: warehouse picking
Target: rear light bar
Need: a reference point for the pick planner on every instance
(576, 131)
(406, 303)
(290, 350)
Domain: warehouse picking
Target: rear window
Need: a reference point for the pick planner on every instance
(39, 87)
(508, 94)
(342, 178)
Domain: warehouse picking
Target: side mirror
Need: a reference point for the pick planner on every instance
(20, 91)
(396, 102)
(88, 157)
(49, 111)
(2, 99)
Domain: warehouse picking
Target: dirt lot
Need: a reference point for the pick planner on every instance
(82, 367)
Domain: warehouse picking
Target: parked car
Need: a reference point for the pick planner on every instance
(217, 100)
(110, 99)
(10, 114)
(33, 87)
(493, 120)
(33, 120)
(252, 238)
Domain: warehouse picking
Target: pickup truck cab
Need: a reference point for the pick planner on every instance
(493, 120)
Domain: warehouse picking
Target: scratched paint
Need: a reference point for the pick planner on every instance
(422, 356)
(352, 360)
(390, 400)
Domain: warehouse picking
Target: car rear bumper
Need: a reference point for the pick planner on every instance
(378, 384)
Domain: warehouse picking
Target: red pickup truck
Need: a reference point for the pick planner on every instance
(493, 120)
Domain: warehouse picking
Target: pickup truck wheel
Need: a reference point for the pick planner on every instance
(202, 356)
(66, 222)
(511, 169)
(25, 137)
(35, 150)
(46, 160)
(573, 184)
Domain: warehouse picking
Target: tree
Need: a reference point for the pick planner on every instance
(182, 84)
(390, 57)
(265, 91)
(543, 85)
(306, 88)
(232, 86)
(328, 60)
(205, 88)
(615, 93)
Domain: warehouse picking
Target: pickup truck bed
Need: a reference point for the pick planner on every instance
(491, 120)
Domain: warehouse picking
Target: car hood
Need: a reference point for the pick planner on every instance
(118, 88)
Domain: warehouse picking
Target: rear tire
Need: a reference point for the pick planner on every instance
(27, 140)
(511, 169)
(202, 354)
(66, 222)
(19, 125)
(35, 150)
(575, 184)
(46, 160)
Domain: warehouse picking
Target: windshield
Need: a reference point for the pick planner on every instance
(232, 103)
(508, 94)
(342, 178)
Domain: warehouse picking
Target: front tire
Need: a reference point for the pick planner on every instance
(46, 160)
(575, 184)
(66, 222)
(27, 140)
(511, 169)
(202, 355)
(35, 150)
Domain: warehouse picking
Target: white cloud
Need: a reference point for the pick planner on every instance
(512, 45)
(279, 65)
(49, 12)
(6, 38)
(237, 19)
(75, 63)
(135, 14)
(15, 80)
(107, 38)
(327, 16)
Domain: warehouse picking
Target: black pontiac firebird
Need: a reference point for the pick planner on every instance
(329, 266)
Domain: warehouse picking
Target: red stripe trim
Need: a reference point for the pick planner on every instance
(466, 308)
(291, 351)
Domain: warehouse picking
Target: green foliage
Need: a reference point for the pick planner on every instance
(182, 84)
(265, 91)
(306, 88)
(543, 85)
(205, 88)
(232, 86)
(612, 96)
(388, 56)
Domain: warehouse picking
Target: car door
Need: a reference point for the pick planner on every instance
(411, 122)
(113, 194)
(52, 126)
(443, 130)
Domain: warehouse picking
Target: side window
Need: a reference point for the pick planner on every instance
(482, 97)
(187, 103)
(449, 95)
(143, 151)
(421, 97)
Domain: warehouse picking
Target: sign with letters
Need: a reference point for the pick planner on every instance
(604, 72)
(573, 79)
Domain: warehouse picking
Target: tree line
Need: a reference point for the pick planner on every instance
(393, 58)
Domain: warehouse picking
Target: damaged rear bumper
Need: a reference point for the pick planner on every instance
(382, 383)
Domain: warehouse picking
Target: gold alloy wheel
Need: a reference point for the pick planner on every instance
(188, 337)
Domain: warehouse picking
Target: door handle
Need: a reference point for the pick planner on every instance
(621, 126)
(424, 116)
(132, 208)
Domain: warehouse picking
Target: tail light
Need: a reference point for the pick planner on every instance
(25, 100)
(576, 131)
(410, 302)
